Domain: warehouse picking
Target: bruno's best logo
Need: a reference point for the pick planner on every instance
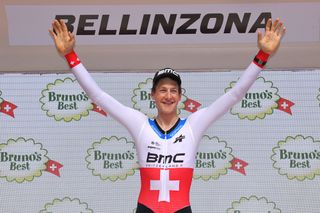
(65, 100)
(261, 100)
(214, 158)
(112, 158)
(23, 160)
(297, 157)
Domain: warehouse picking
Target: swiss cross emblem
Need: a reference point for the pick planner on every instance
(164, 185)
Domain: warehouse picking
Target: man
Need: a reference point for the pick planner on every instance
(166, 145)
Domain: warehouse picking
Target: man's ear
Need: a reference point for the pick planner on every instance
(152, 94)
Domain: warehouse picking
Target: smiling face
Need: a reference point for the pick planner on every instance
(166, 96)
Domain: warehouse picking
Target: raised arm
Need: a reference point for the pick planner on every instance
(64, 41)
(268, 45)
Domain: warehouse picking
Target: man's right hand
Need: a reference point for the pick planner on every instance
(63, 39)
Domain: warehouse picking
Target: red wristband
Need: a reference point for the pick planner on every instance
(72, 59)
(261, 59)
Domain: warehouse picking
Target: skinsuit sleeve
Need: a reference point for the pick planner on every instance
(202, 119)
(132, 119)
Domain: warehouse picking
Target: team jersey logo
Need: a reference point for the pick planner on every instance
(165, 159)
(179, 139)
(154, 145)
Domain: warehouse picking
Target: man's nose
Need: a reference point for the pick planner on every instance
(168, 94)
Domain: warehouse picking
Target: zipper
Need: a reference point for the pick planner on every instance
(166, 145)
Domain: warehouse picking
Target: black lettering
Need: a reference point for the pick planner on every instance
(234, 18)
(151, 158)
(204, 28)
(124, 26)
(103, 26)
(175, 159)
(183, 29)
(83, 23)
(167, 26)
(167, 159)
(144, 24)
(260, 22)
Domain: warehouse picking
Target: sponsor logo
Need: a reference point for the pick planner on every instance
(154, 145)
(214, 158)
(64, 100)
(23, 160)
(253, 204)
(66, 204)
(179, 139)
(261, 100)
(112, 158)
(165, 159)
(143, 102)
(297, 157)
(168, 70)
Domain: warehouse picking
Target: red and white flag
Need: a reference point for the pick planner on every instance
(191, 105)
(238, 165)
(285, 105)
(53, 167)
(7, 108)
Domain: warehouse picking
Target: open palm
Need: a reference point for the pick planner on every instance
(63, 39)
(270, 41)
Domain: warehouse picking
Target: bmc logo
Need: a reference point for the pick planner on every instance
(155, 158)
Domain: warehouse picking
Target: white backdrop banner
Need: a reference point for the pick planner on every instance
(60, 153)
(162, 24)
